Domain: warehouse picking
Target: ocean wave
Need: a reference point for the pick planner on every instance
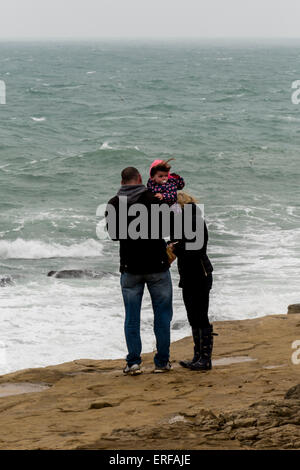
(289, 118)
(4, 166)
(161, 107)
(38, 91)
(38, 119)
(66, 86)
(105, 145)
(63, 218)
(106, 149)
(37, 249)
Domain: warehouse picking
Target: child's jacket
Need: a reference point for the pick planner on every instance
(169, 189)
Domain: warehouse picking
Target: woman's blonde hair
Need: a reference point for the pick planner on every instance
(185, 198)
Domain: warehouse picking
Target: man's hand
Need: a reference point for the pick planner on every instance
(159, 196)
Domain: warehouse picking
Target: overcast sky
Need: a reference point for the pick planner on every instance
(149, 18)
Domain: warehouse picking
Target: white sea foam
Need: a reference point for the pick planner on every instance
(38, 119)
(36, 249)
(4, 166)
(289, 118)
(105, 146)
(51, 215)
(293, 211)
(50, 321)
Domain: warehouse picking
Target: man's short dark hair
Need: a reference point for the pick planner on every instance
(130, 173)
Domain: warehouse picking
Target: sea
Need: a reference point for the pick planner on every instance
(74, 115)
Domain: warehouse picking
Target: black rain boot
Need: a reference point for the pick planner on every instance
(196, 338)
(206, 348)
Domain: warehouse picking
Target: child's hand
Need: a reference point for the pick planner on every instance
(159, 196)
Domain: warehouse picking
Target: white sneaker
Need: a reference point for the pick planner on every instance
(166, 368)
(135, 369)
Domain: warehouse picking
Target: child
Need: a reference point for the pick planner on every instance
(163, 183)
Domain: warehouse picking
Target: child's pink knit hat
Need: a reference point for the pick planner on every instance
(156, 162)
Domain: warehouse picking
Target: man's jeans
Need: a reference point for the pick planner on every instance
(160, 289)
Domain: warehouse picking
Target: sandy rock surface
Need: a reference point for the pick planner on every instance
(249, 400)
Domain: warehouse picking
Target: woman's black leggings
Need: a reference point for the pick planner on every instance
(196, 300)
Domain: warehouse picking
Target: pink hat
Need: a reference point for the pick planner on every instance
(155, 163)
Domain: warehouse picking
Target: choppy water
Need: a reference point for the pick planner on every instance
(76, 114)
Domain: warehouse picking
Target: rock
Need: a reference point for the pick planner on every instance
(206, 413)
(190, 414)
(6, 281)
(177, 325)
(293, 393)
(97, 405)
(247, 435)
(294, 308)
(79, 274)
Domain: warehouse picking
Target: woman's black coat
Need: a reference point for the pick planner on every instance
(193, 265)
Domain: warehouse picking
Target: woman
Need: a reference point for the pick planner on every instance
(195, 270)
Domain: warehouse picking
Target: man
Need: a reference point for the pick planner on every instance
(142, 261)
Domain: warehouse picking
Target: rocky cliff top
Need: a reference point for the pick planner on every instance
(250, 399)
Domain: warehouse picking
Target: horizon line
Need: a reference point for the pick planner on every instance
(137, 38)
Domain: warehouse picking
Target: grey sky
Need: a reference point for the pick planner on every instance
(148, 18)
